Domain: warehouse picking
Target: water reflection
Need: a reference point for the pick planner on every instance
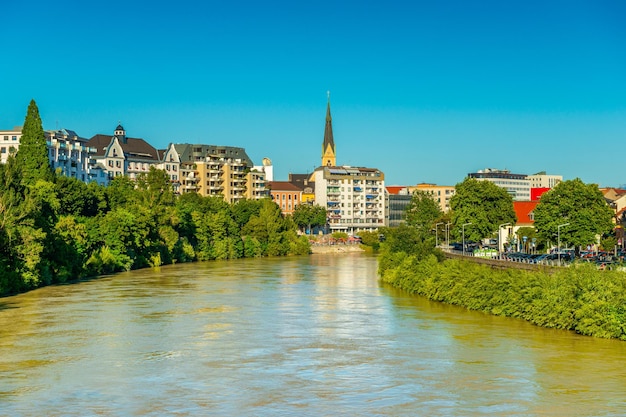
(311, 335)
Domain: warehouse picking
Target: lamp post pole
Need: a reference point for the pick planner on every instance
(436, 227)
(448, 235)
(500, 227)
(558, 237)
(463, 228)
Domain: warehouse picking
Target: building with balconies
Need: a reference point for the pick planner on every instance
(224, 171)
(353, 196)
(70, 156)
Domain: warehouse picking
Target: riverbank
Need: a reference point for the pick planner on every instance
(580, 298)
(324, 249)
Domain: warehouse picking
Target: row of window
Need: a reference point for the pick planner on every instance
(13, 138)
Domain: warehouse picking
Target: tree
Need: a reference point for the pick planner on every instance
(423, 211)
(32, 155)
(309, 216)
(579, 204)
(484, 205)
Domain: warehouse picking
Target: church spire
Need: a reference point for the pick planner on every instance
(328, 147)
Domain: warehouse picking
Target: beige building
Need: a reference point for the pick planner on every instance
(223, 171)
(440, 193)
(543, 180)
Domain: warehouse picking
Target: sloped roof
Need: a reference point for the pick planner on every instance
(523, 209)
(395, 189)
(135, 148)
(283, 186)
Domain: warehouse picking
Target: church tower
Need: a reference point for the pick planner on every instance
(329, 158)
(120, 133)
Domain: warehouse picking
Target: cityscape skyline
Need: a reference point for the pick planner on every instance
(424, 92)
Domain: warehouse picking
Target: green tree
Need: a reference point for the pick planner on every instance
(579, 204)
(307, 216)
(423, 211)
(32, 155)
(484, 205)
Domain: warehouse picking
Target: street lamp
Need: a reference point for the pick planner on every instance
(558, 236)
(436, 226)
(500, 227)
(463, 228)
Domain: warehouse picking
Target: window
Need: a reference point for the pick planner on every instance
(14, 138)
(110, 163)
(3, 150)
(6, 138)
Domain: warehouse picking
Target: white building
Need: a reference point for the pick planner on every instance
(353, 196)
(517, 185)
(9, 142)
(70, 156)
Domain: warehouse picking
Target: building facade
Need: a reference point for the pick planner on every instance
(517, 185)
(398, 198)
(9, 142)
(353, 196)
(440, 193)
(70, 155)
(121, 155)
(543, 180)
(287, 195)
(223, 171)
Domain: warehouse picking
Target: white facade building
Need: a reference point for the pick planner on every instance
(353, 196)
(9, 142)
(517, 185)
(70, 156)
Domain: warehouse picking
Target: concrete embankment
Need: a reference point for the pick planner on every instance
(335, 248)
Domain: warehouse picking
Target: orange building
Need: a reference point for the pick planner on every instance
(287, 195)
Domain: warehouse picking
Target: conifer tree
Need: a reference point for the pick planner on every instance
(32, 155)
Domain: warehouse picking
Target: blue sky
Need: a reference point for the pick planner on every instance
(425, 91)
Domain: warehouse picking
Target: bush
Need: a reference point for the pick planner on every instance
(581, 298)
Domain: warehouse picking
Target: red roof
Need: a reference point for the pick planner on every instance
(523, 209)
(395, 189)
(283, 186)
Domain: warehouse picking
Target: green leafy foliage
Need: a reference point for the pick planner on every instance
(581, 206)
(580, 298)
(423, 211)
(32, 155)
(483, 206)
(307, 216)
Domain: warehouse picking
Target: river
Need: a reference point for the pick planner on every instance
(302, 336)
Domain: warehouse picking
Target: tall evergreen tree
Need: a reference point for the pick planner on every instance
(32, 155)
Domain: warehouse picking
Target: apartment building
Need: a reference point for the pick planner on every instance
(223, 171)
(70, 156)
(353, 196)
